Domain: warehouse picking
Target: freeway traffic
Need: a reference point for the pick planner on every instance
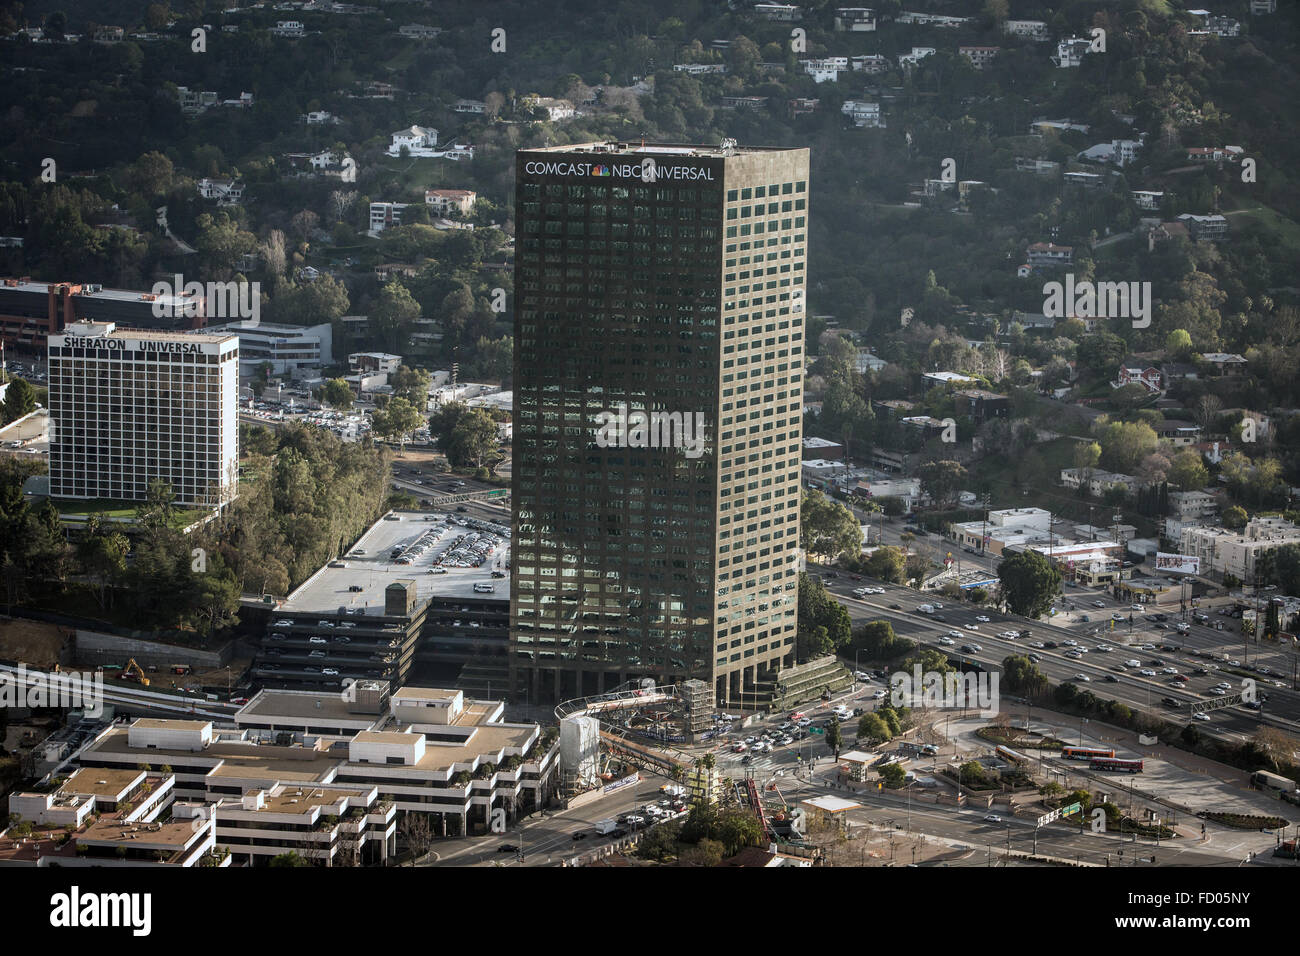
(1105, 670)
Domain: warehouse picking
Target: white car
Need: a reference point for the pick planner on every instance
(1217, 692)
(1083, 677)
(1148, 672)
(947, 641)
(982, 618)
(1131, 662)
(1200, 715)
(878, 695)
(1009, 635)
(992, 818)
(861, 592)
(1070, 642)
(937, 606)
(1098, 603)
(971, 627)
(1169, 670)
(861, 675)
(954, 633)
(1104, 648)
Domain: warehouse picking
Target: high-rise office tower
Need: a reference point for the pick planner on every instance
(658, 388)
(132, 407)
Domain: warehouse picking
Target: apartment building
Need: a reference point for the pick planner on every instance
(864, 115)
(855, 19)
(1193, 504)
(1043, 255)
(1236, 552)
(385, 214)
(1207, 228)
(980, 56)
(1035, 30)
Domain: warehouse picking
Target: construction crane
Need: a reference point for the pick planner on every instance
(134, 672)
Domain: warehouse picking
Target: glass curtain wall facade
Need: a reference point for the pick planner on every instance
(657, 418)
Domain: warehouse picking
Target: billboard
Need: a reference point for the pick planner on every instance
(1178, 563)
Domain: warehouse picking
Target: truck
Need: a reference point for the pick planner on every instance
(1272, 781)
(606, 826)
(926, 608)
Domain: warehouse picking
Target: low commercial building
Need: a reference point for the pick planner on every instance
(822, 448)
(106, 816)
(32, 310)
(356, 756)
(285, 348)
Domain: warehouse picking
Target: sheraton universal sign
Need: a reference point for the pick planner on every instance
(131, 345)
(647, 171)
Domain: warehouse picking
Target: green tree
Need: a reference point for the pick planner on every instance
(493, 359)
(828, 527)
(893, 775)
(1020, 675)
(659, 844)
(834, 737)
(20, 400)
(888, 563)
(288, 859)
(473, 441)
(738, 829)
(396, 420)
(705, 853)
(1187, 472)
(872, 728)
(1125, 444)
(1029, 582)
(1178, 344)
(942, 479)
(411, 384)
(819, 609)
(393, 315)
(221, 244)
(337, 393)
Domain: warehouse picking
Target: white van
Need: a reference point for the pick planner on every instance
(484, 588)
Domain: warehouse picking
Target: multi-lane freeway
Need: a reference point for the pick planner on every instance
(1107, 673)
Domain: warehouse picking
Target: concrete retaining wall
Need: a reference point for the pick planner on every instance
(96, 647)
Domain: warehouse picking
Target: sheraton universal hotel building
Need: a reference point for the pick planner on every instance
(129, 407)
(659, 336)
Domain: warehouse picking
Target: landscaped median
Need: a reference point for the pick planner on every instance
(1245, 821)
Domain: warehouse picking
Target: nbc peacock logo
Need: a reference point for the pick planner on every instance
(600, 170)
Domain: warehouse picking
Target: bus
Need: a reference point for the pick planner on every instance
(1086, 753)
(1006, 753)
(1117, 764)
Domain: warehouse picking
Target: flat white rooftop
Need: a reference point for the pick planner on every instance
(372, 572)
